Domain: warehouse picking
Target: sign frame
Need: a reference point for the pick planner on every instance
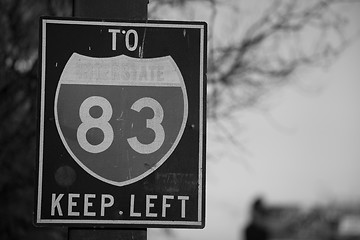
(39, 219)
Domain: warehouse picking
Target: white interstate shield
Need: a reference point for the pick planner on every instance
(120, 118)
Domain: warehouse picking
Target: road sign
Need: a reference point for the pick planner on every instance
(122, 123)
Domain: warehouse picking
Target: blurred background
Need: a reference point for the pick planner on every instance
(283, 116)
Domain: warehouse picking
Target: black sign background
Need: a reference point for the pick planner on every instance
(182, 174)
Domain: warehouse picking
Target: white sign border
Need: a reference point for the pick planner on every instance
(165, 24)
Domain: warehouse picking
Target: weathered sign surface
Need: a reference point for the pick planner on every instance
(122, 123)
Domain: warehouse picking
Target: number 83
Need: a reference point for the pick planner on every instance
(88, 122)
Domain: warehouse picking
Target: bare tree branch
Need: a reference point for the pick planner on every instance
(269, 52)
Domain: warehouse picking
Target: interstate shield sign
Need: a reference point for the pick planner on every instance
(120, 118)
(122, 123)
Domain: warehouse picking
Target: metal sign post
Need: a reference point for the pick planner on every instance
(121, 124)
(111, 9)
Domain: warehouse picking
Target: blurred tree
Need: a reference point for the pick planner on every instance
(240, 71)
(18, 85)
